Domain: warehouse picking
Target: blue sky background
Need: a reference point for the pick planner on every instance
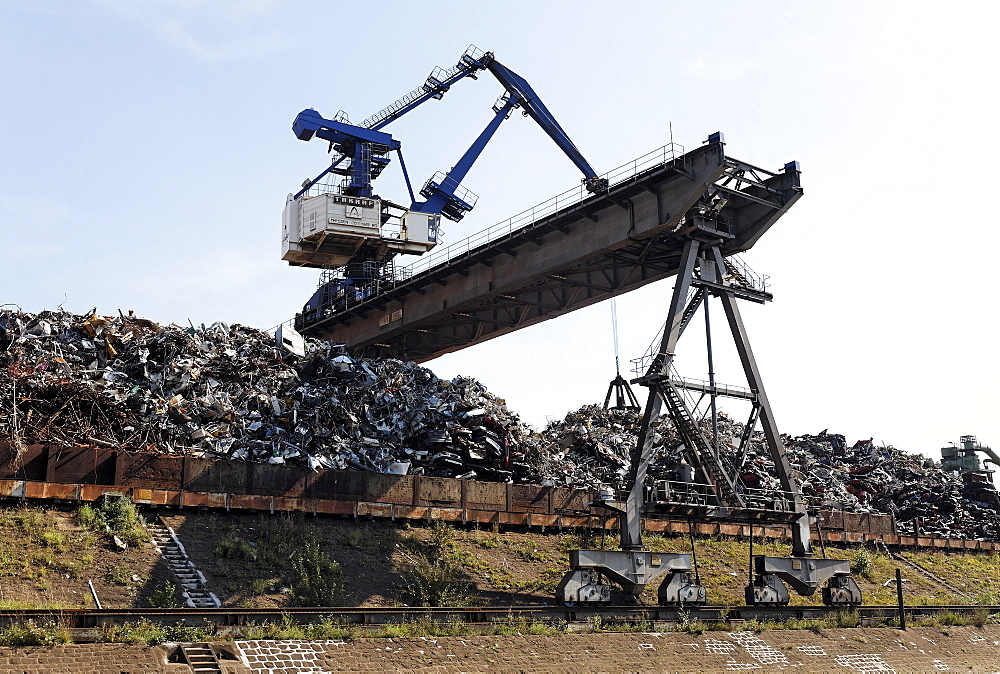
(146, 151)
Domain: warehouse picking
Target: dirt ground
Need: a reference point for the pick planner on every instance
(508, 567)
(46, 559)
(928, 649)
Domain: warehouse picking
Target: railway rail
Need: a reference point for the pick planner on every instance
(230, 620)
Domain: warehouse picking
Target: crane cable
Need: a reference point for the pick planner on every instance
(614, 331)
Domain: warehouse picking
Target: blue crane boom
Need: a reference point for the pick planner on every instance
(534, 108)
(367, 148)
(436, 86)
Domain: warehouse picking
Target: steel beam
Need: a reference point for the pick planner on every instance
(588, 252)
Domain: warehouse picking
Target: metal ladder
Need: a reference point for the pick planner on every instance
(695, 439)
(191, 579)
(738, 275)
(347, 184)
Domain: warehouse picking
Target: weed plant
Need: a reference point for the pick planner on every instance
(30, 633)
(316, 579)
(37, 547)
(165, 596)
(146, 632)
(433, 575)
(116, 514)
(234, 547)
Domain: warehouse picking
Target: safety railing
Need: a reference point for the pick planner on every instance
(700, 493)
(706, 386)
(641, 364)
(735, 266)
(756, 281)
(447, 183)
(331, 184)
(442, 255)
(438, 75)
(671, 153)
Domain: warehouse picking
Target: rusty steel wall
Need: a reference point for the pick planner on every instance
(258, 485)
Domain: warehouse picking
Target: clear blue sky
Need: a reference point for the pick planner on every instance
(146, 154)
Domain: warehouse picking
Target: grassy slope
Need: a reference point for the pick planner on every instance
(46, 559)
(509, 566)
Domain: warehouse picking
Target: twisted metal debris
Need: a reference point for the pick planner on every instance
(834, 475)
(226, 391)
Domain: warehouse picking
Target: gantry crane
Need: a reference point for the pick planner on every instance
(341, 227)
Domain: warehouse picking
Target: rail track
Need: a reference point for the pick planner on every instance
(230, 620)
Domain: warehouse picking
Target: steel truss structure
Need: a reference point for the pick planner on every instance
(709, 484)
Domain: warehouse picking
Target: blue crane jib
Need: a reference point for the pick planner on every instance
(334, 224)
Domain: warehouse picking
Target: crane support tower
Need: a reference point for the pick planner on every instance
(352, 233)
(709, 479)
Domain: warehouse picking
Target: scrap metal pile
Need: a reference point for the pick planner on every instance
(591, 446)
(226, 391)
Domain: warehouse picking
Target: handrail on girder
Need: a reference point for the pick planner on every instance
(439, 257)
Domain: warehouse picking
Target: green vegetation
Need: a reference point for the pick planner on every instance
(166, 596)
(433, 576)
(436, 563)
(29, 633)
(278, 560)
(327, 628)
(40, 549)
(234, 547)
(298, 558)
(862, 564)
(356, 539)
(115, 514)
(530, 553)
(490, 543)
(146, 632)
(316, 580)
(974, 573)
(54, 539)
(520, 626)
(120, 574)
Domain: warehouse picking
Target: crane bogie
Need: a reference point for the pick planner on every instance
(805, 575)
(633, 571)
